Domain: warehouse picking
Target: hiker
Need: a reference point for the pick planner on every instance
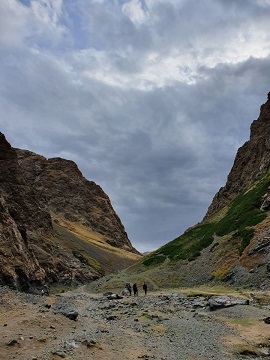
(128, 286)
(135, 290)
(127, 290)
(145, 288)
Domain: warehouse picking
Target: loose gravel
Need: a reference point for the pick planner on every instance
(155, 326)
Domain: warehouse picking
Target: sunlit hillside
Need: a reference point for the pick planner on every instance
(90, 247)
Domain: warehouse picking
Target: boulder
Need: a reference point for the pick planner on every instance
(72, 315)
(218, 302)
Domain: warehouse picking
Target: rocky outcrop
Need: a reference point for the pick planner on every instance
(18, 223)
(252, 159)
(18, 265)
(31, 189)
(250, 266)
(232, 243)
(65, 192)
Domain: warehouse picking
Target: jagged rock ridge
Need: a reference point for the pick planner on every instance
(232, 243)
(32, 189)
(252, 160)
(70, 195)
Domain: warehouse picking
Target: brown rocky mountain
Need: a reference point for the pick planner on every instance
(55, 225)
(71, 196)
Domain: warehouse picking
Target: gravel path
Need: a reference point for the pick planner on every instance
(156, 326)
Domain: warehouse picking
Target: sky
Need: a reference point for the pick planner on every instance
(150, 98)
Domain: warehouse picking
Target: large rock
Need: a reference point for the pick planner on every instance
(219, 302)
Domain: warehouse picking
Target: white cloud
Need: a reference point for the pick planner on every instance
(45, 18)
(264, 3)
(13, 23)
(36, 25)
(166, 62)
(47, 11)
(153, 3)
(134, 10)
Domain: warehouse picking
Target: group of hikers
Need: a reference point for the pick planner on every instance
(135, 289)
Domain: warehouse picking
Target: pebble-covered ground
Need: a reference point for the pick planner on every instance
(161, 326)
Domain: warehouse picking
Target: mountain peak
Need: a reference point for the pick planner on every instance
(55, 225)
(232, 243)
(252, 160)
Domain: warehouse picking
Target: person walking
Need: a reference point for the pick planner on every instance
(145, 288)
(135, 289)
(128, 286)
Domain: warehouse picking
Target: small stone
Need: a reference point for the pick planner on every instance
(59, 353)
(42, 340)
(72, 315)
(89, 343)
(12, 342)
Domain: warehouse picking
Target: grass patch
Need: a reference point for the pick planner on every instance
(154, 260)
(84, 259)
(244, 211)
(80, 257)
(248, 351)
(244, 235)
(244, 322)
(240, 216)
(261, 298)
(205, 291)
(186, 246)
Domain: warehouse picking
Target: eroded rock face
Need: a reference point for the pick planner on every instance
(20, 197)
(18, 223)
(252, 159)
(18, 265)
(30, 188)
(67, 193)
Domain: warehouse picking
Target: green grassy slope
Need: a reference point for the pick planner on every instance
(236, 220)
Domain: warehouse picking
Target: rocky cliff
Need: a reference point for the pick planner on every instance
(55, 225)
(252, 160)
(232, 243)
(68, 194)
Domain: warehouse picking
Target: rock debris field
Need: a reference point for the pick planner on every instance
(161, 325)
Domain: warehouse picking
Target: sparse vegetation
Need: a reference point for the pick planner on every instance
(240, 216)
(245, 236)
(186, 246)
(89, 247)
(154, 260)
(244, 210)
(80, 257)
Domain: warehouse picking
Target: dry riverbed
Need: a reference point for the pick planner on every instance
(162, 326)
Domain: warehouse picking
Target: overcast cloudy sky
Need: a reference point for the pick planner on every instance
(151, 98)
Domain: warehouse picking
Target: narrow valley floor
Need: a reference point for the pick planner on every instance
(160, 325)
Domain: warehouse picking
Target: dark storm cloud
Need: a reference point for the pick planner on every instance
(150, 98)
